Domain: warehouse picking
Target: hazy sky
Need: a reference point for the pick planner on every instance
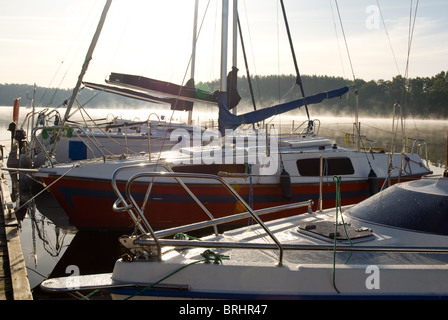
(45, 41)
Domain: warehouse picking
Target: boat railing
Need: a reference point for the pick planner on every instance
(306, 128)
(62, 128)
(43, 118)
(398, 122)
(148, 124)
(418, 146)
(83, 134)
(129, 204)
(84, 131)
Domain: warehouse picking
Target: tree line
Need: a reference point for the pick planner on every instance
(421, 97)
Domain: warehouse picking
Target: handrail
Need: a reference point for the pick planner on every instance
(211, 177)
(297, 247)
(122, 205)
(416, 148)
(234, 217)
(148, 125)
(139, 215)
(128, 207)
(46, 114)
(305, 131)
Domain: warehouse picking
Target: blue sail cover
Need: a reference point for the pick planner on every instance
(227, 120)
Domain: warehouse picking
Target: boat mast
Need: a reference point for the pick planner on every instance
(193, 53)
(234, 38)
(224, 37)
(224, 40)
(87, 59)
(298, 77)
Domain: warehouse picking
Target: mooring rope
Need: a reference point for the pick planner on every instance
(47, 187)
(337, 180)
(208, 256)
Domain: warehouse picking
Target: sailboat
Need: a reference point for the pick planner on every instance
(390, 246)
(264, 169)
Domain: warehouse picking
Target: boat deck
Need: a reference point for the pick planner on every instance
(303, 247)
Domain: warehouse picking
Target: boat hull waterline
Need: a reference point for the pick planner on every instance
(88, 201)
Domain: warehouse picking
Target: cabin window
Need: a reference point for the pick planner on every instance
(331, 166)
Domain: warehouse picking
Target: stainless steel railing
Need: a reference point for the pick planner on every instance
(128, 203)
(45, 152)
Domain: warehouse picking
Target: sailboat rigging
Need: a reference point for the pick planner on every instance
(86, 194)
(182, 97)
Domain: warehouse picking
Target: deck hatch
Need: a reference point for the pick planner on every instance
(325, 230)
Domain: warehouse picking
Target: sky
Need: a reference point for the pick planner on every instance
(45, 41)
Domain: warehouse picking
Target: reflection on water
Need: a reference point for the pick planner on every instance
(52, 246)
(45, 237)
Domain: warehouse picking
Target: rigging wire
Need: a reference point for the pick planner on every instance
(353, 73)
(178, 97)
(337, 39)
(78, 35)
(357, 123)
(410, 38)
(256, 79)
(120, 39)
(411, 26)
(387, 35)
(410, 34)
(278, 57)
(345, 40)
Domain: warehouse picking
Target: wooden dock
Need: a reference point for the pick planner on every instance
(14, 284)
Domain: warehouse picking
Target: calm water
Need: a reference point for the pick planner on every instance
(51, 244)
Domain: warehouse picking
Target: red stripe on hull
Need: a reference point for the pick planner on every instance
(89, 203)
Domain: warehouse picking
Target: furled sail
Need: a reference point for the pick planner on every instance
(186, 93)
(176, 104)
(179, 97)
(227, 120)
